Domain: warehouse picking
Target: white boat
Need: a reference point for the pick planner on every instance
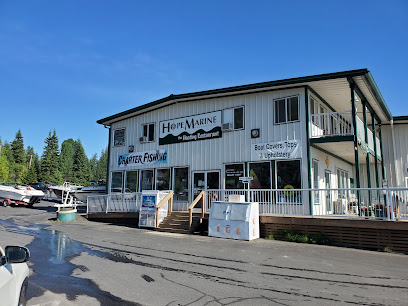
(65, 188)
(20, 193)
(82, 193)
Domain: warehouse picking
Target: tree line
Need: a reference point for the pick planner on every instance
(56, 165)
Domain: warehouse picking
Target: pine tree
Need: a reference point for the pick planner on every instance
(7, 152)
(49, 172)
(17, 147)
(66, 159)
(81, 165)
(31, 174)
(101, 168)
(4, 165)
(93, 163)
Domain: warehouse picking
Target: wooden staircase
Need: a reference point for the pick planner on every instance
(178, 222)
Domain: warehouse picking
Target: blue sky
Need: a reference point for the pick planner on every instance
(66, 64)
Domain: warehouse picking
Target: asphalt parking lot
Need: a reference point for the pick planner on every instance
(90, 263)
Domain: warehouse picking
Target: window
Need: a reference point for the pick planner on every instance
(232, 174)
(132, 181)
(261, 173)
(288, 174)
(287, 109)
(315, 175)
(342, 182)
(235, 116)
(148, 132)
(119, 138)
(147, 180)
(181, 184)
(163, 179)
(117, 182)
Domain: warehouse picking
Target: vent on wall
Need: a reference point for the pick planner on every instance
(227, 126)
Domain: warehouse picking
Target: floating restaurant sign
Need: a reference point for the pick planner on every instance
(192, 128)
(143, 158)
(276, 150)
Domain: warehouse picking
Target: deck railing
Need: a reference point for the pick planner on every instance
(332, 124)
(121, 202)
(368, 203)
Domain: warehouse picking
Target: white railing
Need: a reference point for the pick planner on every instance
(367, 203)
(372, 203)
(121, 202)
(332, 124)
(271, 201)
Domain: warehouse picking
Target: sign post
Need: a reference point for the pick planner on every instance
(246, 180)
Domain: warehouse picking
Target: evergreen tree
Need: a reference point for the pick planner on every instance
(4, 165)
(93, 163)
(81, 165)
(8, 153)
(101, 167)
(49, 172)
(31, 174)
(66, 160)
(17, 147)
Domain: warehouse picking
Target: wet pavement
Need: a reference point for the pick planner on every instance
(51, 254)
(89, 263)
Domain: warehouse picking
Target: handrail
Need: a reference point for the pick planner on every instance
(168, 197)
(190, 208)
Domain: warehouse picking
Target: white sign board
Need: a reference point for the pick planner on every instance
(276, 150)
(192, 128)
(236, 220)
(246, 179)
(143, 158)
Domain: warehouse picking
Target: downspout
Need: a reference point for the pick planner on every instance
(396, 172)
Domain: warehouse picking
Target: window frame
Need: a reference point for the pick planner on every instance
(148, 128)
(286, 109)
(233, 117)
(124, 137)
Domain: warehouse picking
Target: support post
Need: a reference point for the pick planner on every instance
(367, 153)
(356, 159)
(309, 171)
(108, 163)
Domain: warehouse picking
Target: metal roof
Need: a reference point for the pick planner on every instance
(333, 87)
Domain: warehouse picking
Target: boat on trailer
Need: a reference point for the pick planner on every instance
(19, 194)
(83, 193)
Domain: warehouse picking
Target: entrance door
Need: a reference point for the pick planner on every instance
(328, 197)
(204, 180)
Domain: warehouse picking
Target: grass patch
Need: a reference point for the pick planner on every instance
(296, 236)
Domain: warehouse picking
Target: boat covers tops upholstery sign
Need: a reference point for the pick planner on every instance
(192, 128)
(143, 158)
(276, 150)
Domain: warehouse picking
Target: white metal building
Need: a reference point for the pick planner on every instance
(320, 131)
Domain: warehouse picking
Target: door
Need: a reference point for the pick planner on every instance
(203, 180)
(328, 197)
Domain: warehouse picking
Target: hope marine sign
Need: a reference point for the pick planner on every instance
(192, 128)
(143, 158)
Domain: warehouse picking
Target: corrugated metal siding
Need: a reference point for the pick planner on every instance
(212, 154)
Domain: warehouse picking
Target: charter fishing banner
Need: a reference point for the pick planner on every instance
(276, 150)
(192, 128)
(143, 158)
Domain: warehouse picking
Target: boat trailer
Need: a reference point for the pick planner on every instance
(8, 202)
